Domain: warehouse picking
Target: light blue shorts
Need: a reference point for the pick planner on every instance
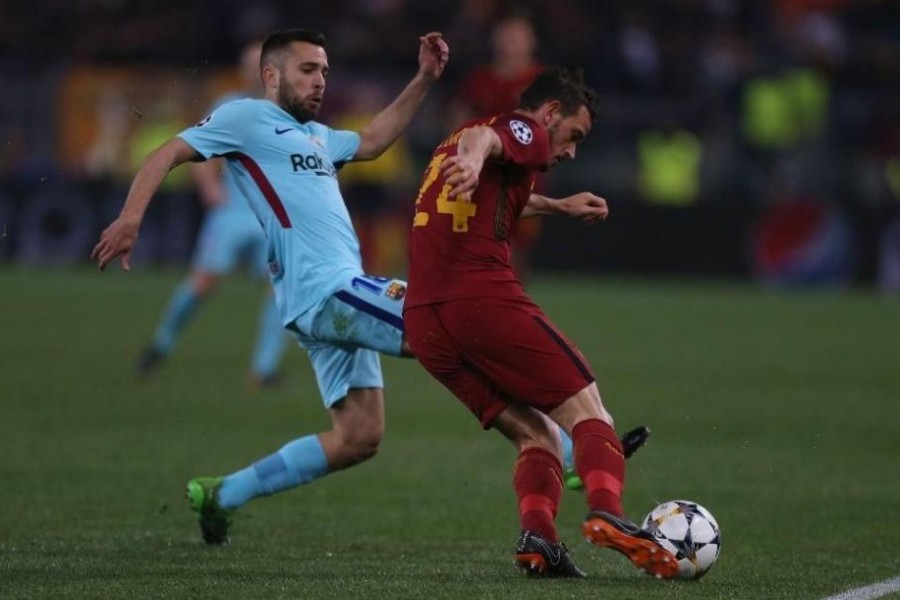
(230, 238)
(356, 323)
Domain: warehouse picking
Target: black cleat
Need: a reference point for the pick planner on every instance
(149, 361)
(539, 558)
(634, 439)
(609, 531)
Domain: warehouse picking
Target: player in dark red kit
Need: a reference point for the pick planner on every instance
(474, 329)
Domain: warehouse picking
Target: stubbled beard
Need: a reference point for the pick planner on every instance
(551, 135)
(552, 132)
(294, 106)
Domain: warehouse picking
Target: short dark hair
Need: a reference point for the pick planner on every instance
(279, 40)
(562, 84)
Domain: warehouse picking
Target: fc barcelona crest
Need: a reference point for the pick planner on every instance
(395, 291)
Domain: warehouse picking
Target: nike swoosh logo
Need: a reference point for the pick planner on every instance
(281, 131)
(554, 553)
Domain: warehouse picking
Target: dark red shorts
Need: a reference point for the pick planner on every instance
(491, 352)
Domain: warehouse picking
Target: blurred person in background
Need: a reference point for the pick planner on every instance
(230, 236)
(669, 161)
(494, 88)
(285, 164)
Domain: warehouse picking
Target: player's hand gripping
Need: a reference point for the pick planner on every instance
(584, 206)
(461, 174)
(433, 55)
(116, 240)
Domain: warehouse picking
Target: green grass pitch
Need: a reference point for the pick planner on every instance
(778, 412)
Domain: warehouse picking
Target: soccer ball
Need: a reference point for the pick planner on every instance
(688, 531)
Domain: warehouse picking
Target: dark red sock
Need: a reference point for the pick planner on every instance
(600, 463)
(537, 478)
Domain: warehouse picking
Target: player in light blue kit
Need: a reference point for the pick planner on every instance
(229, 238)
(285, 165)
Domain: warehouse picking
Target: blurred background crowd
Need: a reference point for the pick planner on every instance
(738, 137)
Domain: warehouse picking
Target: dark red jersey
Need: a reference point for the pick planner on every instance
(458, 248)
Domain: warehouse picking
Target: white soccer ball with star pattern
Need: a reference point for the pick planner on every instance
(688, 531)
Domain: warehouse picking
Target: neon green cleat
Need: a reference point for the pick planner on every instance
(214, 520)
(573, 481)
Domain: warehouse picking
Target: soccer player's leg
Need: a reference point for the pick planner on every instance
(536, 364)
(631, 440)
(180, 311)
(570, 475)
(537, 479)
(271, 337)
(600, 462)
(352, 388)
(213, 257)
(271, 342)
(537, 472)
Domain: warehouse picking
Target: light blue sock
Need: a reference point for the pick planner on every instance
(271, 339)
(568, 452)
(298, 462)
(178, 314)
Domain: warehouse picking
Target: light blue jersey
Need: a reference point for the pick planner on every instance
(287, 171)
(230, 235)
(233, 201)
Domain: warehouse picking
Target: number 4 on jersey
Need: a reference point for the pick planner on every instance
(461, 210)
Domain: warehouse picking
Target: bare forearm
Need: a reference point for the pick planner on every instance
(583, 205)
(384, 129)
(144, 186)
(539, 205)
(150, 176)
(120, 237)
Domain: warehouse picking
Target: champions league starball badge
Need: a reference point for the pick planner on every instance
(522, 131)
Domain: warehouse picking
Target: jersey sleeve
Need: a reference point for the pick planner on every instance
(525, 143)
(223, 131)
(342, 145)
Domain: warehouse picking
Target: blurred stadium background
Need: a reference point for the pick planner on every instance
(739, 138)
(755, 142)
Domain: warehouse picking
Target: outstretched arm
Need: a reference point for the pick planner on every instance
(475, 146)
(119, 238)
(386, 126)
(585, 206)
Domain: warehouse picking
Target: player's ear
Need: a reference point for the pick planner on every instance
(551, 113)
(270, 76)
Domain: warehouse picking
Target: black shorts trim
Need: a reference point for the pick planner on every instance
(579, 364)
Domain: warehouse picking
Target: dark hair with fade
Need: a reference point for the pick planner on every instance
(279, 40)
(562, 84)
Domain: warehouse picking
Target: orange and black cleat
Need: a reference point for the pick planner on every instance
(540, 558)
(609, 531)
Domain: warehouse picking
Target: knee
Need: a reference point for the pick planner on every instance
(361, 443)
(545, 436)
(204, 283)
